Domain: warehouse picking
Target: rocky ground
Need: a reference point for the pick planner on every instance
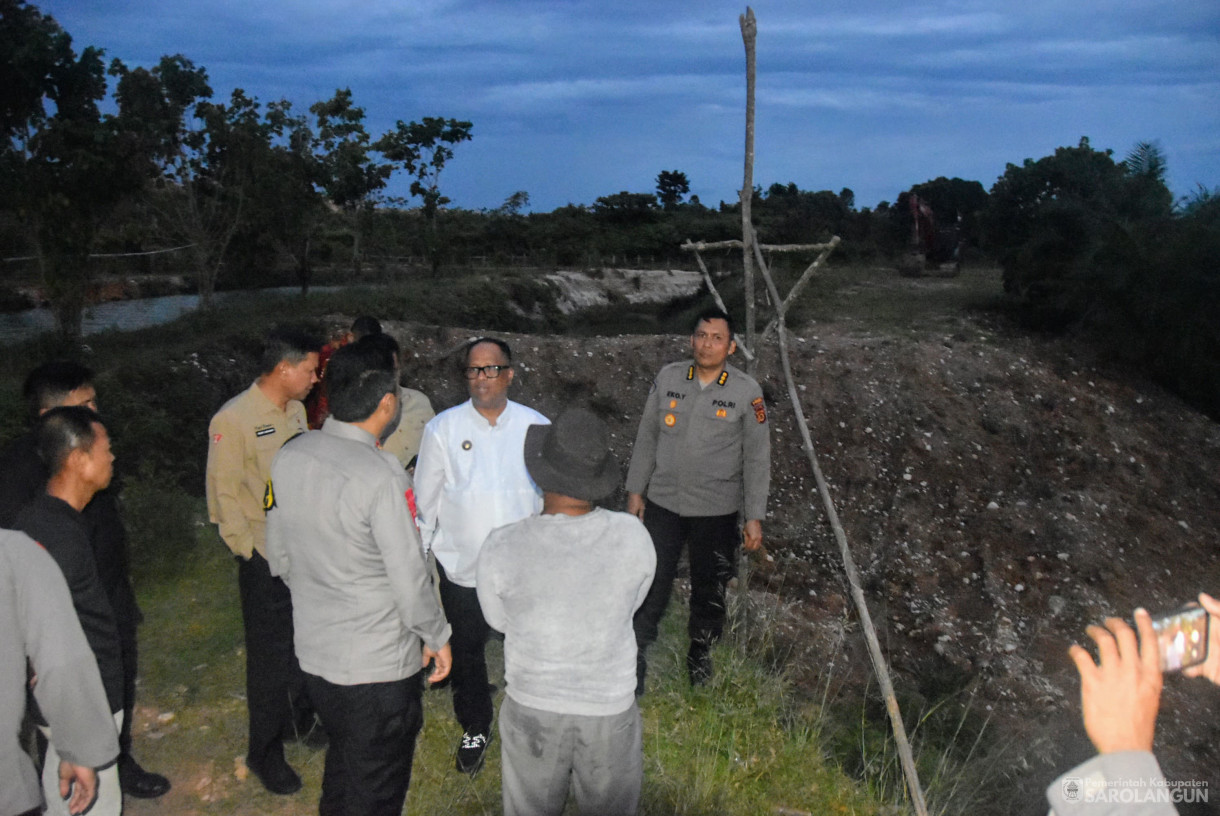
(998, 492)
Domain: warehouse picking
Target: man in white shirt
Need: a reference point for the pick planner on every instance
(470, 479)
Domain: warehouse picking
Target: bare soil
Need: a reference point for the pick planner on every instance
(999, 492)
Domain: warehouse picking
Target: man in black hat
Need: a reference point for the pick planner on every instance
(563, 587)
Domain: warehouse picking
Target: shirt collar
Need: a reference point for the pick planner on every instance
(265, 405)
(502, 420)
(345, 430)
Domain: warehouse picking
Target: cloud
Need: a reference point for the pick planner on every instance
(574, 99)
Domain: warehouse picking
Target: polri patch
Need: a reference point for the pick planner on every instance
(760, 410)
(721, 413)
(266, 430)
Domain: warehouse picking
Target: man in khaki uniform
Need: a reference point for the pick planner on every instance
(416, 411)
(702, 456)
(245, 436)
(415, 408)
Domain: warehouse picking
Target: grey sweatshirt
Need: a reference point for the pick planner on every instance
(563, 590)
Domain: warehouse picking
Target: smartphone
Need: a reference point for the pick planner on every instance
(1182, 637)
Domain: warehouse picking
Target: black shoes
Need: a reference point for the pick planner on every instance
(699, 664)
(471, 752)
(137, 782)
(276, 775)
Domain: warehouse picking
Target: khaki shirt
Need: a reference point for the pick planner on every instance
(703, 451)
(416, 411)
(244, 437)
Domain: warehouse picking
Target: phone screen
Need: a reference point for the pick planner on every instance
(1182, 638)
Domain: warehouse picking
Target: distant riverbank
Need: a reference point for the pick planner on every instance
(129, 315)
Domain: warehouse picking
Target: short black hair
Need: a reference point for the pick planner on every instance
(364, 326)
(62, 430)
(287, 344)
(358, 376)
(712, 313)
(384, 343)
(495, 341)
(49, 385)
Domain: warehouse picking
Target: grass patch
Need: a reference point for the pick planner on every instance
(879, 299)
(736, 746)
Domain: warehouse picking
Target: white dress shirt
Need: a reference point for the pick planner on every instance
(470, 479)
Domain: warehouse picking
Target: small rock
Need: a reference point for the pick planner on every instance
(991, 505)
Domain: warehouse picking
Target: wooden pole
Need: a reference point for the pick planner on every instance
(905, 756)
(749, 32)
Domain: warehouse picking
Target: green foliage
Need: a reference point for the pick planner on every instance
(1087, 243)
(162, 524)
(672, 186)
(349, 174)
(423, 148)
(626, 209)
(62, 164)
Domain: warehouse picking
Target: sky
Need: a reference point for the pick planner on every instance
(576, 99)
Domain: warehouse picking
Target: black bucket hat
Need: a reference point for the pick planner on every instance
(572, 456)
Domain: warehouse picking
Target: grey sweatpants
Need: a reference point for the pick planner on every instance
(543, 753)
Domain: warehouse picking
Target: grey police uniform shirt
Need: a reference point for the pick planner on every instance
(1127, 782)
(341, 536)
(703, 451)
(37, 620)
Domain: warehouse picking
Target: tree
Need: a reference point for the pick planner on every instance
(286, 208)
(1146, 166)
(422, 149)
(672, 186)
(349, 175)
(514, 204)
(626, 208)
(63, 166)
(1067, 226)
(203, 170)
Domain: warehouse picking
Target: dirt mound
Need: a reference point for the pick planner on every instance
(999, 494)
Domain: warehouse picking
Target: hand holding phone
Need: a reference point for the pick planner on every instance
(1210, 667)
(1182, 637)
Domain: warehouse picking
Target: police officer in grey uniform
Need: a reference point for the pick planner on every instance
(702, 456)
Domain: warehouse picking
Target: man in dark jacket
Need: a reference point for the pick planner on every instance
(23, 477)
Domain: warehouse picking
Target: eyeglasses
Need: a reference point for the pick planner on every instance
(490, 372)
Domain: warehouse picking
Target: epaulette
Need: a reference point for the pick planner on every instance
(268, 498)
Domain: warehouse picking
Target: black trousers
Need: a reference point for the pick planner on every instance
(274, 681)
(471, 692)
(372, 729)
(712, 543)
(129, 650)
